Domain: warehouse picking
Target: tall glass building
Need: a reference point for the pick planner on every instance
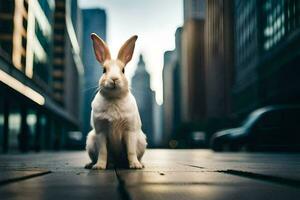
(278, 70)
(94, 21)
(246, 55)
(267, 39)
(143, 94)
(30, 116)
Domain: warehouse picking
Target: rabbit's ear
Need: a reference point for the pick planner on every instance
(126, 51)
(100, 48)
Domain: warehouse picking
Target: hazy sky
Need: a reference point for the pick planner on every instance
(154, 21)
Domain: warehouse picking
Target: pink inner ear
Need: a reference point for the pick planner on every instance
(127, 58)
(126, 51)
(100, 52)
(100, 49)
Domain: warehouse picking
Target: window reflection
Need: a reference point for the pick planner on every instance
(279, 18)
(1, 123)
(31, 120)
(274, 25)
(14, 127)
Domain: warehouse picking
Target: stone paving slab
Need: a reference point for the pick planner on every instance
(201, 185)
(64, 185)
(279, 165)
(169, 174)
(10, 176)
(211, 192)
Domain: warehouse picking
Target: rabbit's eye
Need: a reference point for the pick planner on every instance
(123, 70)
(104, 70)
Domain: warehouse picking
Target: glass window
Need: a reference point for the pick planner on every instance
(1, 122)
(270, 120)
(273, 22)
(14, 127)
(44, 131)
(31, 120)
(292, 119)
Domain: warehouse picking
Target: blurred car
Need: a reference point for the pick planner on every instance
(267, 129)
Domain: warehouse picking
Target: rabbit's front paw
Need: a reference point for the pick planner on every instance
(99, 166)
(135, 165)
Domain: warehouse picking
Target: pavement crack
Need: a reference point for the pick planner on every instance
(122, 188)
(17, 179)
(263, 177)
(193, 166)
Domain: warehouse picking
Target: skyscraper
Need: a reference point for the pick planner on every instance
(219, 63)
(32, 67)
(94, 21)
(172, 88)
(140, 84)
(266, 53)
(168, 96)
(246, 58)
(193, 72)
(193, 9)
(278, 69)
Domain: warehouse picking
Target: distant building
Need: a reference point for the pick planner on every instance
(157, 124)
(140, 84)
(168, 96)
(40, 74)
(219, 63)
(193, 9)
(94, 21)
(246, 58)
(193, 71)
(172, 88)
(267, 56)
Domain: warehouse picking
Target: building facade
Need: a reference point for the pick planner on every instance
(158, 134)
(246, 58)
(170, 61)
(172, 88)
(219, 63)
(140, 84)
(94, 21)
(193, 71)
(266, 54)
(278, 69)
(31, 117)
(193, 9)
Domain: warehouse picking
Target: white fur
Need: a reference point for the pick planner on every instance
(116, 137)
(115, 121)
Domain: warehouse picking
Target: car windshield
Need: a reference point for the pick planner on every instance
(252, 118)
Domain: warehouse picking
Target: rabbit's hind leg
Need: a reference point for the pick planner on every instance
(141, 145)
(91, 148)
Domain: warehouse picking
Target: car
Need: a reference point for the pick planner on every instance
(272, 128)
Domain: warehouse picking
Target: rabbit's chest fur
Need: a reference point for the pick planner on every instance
(115, 118)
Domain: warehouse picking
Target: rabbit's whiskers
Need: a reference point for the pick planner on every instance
(90, 88)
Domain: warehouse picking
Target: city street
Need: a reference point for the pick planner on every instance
(169, 174)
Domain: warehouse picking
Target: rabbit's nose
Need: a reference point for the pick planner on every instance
(114, 79)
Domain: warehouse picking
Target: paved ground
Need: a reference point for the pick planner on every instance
(169, 174)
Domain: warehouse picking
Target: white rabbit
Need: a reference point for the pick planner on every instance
(116, 137)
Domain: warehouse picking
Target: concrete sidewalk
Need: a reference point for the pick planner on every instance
(169, 174)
